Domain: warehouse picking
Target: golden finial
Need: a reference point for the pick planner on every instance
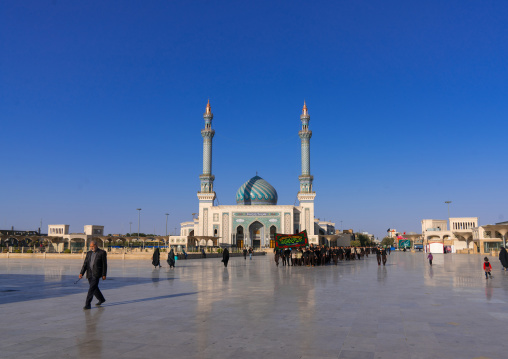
(208, 108)
(304, 111)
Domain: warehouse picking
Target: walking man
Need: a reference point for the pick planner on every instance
(378, 255)
(95, 266)
(383, 255)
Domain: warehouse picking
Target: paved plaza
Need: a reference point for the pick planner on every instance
(253, 309)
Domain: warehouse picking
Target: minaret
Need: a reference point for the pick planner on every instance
(206, 195)
(305, 135)
(306, 195)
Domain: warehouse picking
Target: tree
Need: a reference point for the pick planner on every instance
(364, 239)
(355, 243)
(387, 241)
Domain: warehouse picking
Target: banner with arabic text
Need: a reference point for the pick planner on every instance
(291, 240)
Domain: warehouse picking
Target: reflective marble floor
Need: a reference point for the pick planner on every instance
(253, 309)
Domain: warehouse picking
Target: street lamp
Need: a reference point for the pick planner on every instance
(448, 203)
(167, 214)
(139, 218)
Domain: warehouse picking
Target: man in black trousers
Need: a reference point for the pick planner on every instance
(95, 266)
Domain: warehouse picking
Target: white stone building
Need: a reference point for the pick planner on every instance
(65, 240)
(437, 237)
(256, 217)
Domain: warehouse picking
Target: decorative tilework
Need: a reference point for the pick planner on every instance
(225, 227)
(205, 221)
(305, 157)
(287, 223)
(256, 191)
(307, 219)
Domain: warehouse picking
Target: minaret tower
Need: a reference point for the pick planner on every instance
(306, 195)
(206, 195)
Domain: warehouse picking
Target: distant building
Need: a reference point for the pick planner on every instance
(73, 241)
(438, 238)
(324, 227)
(392, 233)
(17, 232)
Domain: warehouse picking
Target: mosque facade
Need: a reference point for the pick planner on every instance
(257, 216)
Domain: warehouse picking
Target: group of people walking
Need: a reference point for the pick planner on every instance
(156, 258)
(323, 255)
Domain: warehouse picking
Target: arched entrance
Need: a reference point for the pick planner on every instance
(256, 231)
(239, 237)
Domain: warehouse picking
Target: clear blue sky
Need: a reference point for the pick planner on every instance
(101, 106)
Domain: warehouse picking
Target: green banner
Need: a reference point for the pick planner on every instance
(291, 240)
(404, 243)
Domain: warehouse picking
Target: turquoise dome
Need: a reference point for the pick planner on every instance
(256, 191)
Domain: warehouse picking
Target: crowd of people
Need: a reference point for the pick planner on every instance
(323, 255)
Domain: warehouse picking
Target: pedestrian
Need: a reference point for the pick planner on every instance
(378, 255)
(383, 255)
(335, 255)
(487, 268)
(503, 257)
(287, 254)
(96, 267)
(430, 257)
(225, 257)
(156, 258)
(184, 253)
(245, 253)
(276, 257)
(250, 253)
(171, 259)
(203, 253)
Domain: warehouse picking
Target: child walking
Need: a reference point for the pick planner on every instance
(487, 268)
(430, 258)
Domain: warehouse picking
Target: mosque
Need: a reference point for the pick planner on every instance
(256, 217)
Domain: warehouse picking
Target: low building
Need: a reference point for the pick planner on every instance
(438, 238)
(62, 239)
(463, 235)
(490, 238)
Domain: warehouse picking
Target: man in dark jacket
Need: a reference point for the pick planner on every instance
(95, 266)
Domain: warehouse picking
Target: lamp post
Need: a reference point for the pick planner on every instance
(167, 214)
(139, 219)
(448, 203)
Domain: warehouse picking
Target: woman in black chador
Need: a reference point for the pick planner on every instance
(156, 258)
(171, 259)
(503, 257)
(225, 257)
